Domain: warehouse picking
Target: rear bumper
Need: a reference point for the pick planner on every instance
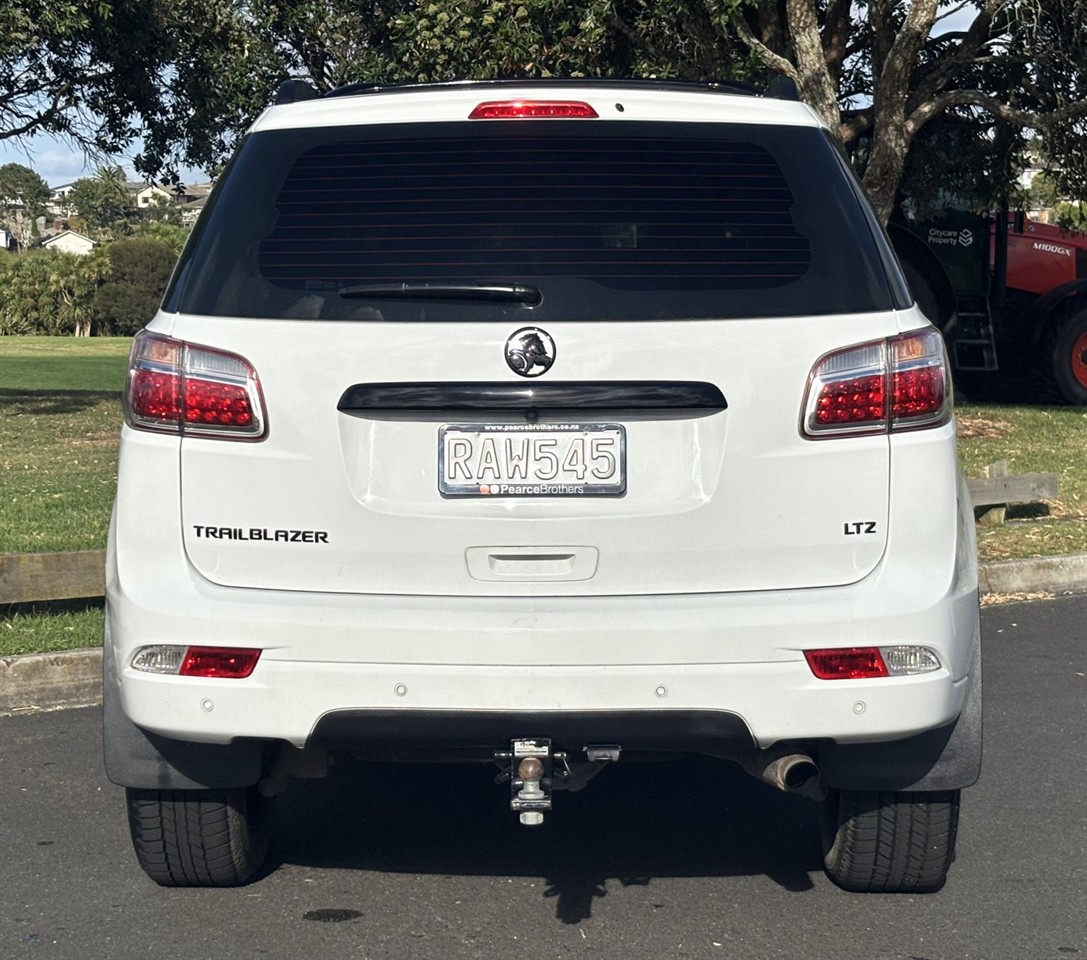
(340, 667)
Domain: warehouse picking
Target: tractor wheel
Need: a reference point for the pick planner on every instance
(1065, 352)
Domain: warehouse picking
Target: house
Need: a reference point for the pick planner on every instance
(69, 241)
(191, 210)
(192, 192)
(57, 206)
(152, 195)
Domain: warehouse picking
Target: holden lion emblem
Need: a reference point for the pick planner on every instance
(530, 351)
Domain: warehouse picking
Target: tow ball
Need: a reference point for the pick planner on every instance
(528, 765)
(534, 772)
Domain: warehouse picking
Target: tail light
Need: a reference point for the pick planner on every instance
(222, 662)
(177, 387)
(533, 110)
(886, 385)
(866, 663)
(226, 663)
(856, 663)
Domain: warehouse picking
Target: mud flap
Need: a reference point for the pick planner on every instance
(945, 759)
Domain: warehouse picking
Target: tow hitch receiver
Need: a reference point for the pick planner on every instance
(530, 779)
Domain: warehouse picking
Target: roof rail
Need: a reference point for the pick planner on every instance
(294, 91)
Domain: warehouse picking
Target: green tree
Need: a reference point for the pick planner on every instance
(489, 39)
(49, 292)
(102, 202)
(161, 209)
(22, 200)
(139, 272)
(75, 280)
(172, 235)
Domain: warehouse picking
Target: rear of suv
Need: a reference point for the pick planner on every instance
(548, 424)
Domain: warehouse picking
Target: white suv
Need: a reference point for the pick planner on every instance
(548, 424)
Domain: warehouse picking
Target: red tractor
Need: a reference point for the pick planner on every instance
(1009, 293)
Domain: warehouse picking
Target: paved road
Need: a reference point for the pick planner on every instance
(686, 859)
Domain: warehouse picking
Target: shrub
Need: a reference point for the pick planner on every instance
(128, 300)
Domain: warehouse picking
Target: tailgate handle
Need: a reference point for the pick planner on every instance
(525, 564)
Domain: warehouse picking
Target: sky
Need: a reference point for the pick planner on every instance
(58, 163)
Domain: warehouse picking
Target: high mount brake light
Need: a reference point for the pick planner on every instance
(533, 110)
(177, 387)
(886, 385)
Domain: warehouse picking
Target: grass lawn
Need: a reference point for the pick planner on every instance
(60, 416)
(1032, 440)
(60, 413)
(48, 628)
(64, 364)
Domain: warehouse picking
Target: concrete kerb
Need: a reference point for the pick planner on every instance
(54, 681)
(50, 681)
(1066, 574)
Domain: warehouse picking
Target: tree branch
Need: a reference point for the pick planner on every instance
(965, 53)
(770, 60)
(1014, 115)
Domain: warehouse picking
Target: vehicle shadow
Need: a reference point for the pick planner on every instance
(44, 402)
(633, 823)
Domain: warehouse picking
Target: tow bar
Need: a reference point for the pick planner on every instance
(534, 772)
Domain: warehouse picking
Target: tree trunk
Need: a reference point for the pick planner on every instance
(817, 89)
(886, 161)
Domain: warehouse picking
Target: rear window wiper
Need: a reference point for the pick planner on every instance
(503, 292)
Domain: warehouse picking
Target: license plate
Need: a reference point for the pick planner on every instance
(532, 460)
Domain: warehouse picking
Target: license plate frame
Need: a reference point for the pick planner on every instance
(467, 468)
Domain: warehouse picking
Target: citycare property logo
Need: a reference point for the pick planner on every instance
(950, 238)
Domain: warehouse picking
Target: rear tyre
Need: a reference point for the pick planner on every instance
(199, 838)
(889, 842)
(1065, 351)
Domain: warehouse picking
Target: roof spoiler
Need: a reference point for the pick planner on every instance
(779, 88)
(782, 87)
(294, 91)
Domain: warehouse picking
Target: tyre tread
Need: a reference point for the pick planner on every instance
(888, 842)
(198, 838)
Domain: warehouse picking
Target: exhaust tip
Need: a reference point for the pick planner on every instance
(790, 772)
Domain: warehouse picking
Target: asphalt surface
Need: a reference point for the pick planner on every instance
(682, 859)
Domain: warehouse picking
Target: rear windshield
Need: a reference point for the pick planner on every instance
(566, 220)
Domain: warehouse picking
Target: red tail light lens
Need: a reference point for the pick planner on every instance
(178, 387)
(895, 384)
(854, 663)
(224, 662)
(533, 110)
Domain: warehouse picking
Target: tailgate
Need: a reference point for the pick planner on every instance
(350, 500)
